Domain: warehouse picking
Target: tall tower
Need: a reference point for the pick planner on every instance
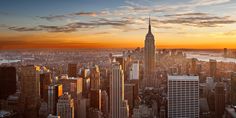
(116, 90)
(149, 58)
(219, 100)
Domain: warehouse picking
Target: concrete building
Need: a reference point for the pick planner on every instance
(134, 71)
(233, 89)
(54, 92)
(212, 67)
(95, 78)
(45, 81)
(30, 90)
(219, 100)
(72, 70)
(65, 106)
(116, 90)
(7, 81)
(183, 96)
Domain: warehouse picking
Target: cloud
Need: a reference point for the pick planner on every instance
(24, 29)
(72, 27)
(230, 33)
(197, 20)
(72, 15)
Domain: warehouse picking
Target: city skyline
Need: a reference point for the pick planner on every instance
(117, 24)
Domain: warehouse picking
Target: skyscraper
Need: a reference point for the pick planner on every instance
(54, 92)
(219, 100)
(116, 90)
(233, 88)
(95, 78)
(72, 70)
(183, 96)
(65, 106)
(45, 81)
(212, 67)
(149, 58)
(7, 81)
(30, 89)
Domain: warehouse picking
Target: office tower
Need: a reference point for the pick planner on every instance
(95, 99)
(30, 90)
(43, 110)
(54, 92)
(116, 90)
(65, 106)
(74, 86)
(134, 71)
(194, 66)
(104, 103)
(233, 88)
(72, 70)
(183, 96)
(95, 78)
(219, 100)
(121, 60)
(129, 95)
(212, 68)
(124, 109)
(45, 81)
(83, 106)
(149, 59)
(7, 81)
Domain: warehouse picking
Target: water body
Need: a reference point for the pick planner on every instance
(207, 56)
(8, 61)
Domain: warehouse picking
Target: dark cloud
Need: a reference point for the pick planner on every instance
(72, 27)
(197, 20)
(71, 15)
(24, 29)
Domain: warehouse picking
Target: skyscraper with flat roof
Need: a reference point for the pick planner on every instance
(183, 96)
(116, 90)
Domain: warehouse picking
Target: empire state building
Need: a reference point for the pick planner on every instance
(149, 58)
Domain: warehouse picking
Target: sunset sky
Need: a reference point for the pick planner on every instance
(117, 23)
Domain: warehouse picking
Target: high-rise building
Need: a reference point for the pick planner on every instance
(30, 90)
(212, 67)
(233, 89)
(95, 99)
(124, 109)
(116, 90)
(194, 66)
(129, 95)
(104, 103)
(7, 81)
(134, 71)
(54, 92)
(72, 70)
(183, 97)
(74, 86)
(219, 100)
(149, 59)
(95, 78)
(45, 81)
(65, 106)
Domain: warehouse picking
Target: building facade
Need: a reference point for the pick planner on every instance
(183, 97)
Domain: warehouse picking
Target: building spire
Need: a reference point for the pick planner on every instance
(149, 26)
